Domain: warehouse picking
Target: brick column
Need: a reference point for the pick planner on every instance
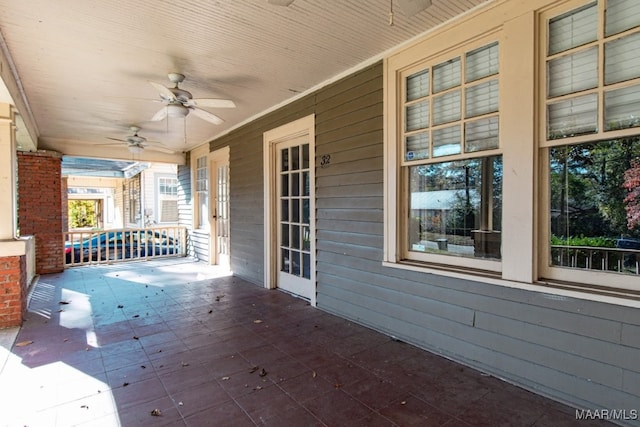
(40, 207)
(13, 298)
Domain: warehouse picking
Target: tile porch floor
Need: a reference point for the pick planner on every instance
(107, 345)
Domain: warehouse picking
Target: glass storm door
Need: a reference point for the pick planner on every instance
(294, 216)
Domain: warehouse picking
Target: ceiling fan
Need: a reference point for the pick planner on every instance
(136, 143)
(178, 102)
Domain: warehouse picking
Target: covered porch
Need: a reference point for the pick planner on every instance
(177, 342)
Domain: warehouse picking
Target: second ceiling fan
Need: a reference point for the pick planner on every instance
(179, 102)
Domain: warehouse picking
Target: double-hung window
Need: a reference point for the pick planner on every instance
(590, 143)
(450, 160)
(167, 199)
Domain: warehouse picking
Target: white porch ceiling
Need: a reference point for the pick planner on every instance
(78, 70)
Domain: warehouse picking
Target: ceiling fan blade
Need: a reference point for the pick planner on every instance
(211, 102)
(117, 139)
(205, 115)
(160, 115)
(280, 2)
(165, 93)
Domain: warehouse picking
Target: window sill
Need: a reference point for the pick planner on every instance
(550, 289)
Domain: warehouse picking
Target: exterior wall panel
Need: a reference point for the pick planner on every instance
(578, 351)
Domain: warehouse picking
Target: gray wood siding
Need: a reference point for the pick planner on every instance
(581, 352)
(185, 206)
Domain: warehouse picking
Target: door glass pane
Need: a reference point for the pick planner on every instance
(621, 60)
(295, 237)
(295, 263)
(295, 184)
(305, 211)
(573, 73)
(285, 235)
(295, 158)
(285, 261)
(306, 266)
(284, 155)
(295, 204)
(284, 187)
(574, 116)
(305, 156)
(306, 238)
(284, 203)
(306, 184)
(575, 28)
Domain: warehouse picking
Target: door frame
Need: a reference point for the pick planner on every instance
(297, 128)
(219, 156)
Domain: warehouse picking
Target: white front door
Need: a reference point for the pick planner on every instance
(294, 193)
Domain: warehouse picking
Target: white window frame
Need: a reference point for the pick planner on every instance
(547, 271)
(199, 224)
(163, 196)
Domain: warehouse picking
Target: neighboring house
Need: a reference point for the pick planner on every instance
(320, 207)
(125, 194)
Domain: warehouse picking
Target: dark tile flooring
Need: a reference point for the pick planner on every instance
(168, 344)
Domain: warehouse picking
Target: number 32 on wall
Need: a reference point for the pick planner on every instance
(325, 160)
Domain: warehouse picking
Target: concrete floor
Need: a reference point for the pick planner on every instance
(174, 342)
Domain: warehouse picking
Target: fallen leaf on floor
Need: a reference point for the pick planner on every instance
(64, 302)
(337, 385)
(24, 343)
(184, 364)
(263, 373)
(65, 340)
(257, 388)
(313, 374)
(120, 306)
(180, 404)
(135, 316)
(135, 337)
(85, 406)
(226, 378)
(253, 369)
(60, 311)
(143, 367)
(257, 321)
(125, 384)
(156, 412)
(404, 402)
(219, 297)
(210, 311)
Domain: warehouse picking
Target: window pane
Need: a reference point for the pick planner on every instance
(481, 99)
(446, 141)
(446, 75)
(306, 266)
(295, 184)
(482, 62)
(455, 207)
(295, 237)
(284, 209)
(417, 146)
(295, 158)
(481, 135)
(305, 156)
(573, 29)
(418, 85)
(285, 261)
(621, 15)
(417, 116)
(573, 73)
(305, 211)
(446, 108)
(622, 108)
(306, 238)
(284, 185)
(285, 235)
(621, 60)
(306, 184)
(284, 156)
(295, 263)
(590, 225)
(295, 210)
(575, 116)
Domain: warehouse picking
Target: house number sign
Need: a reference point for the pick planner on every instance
(325, 160)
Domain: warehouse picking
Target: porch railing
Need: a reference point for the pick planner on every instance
(625, 261)
(126, 244)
